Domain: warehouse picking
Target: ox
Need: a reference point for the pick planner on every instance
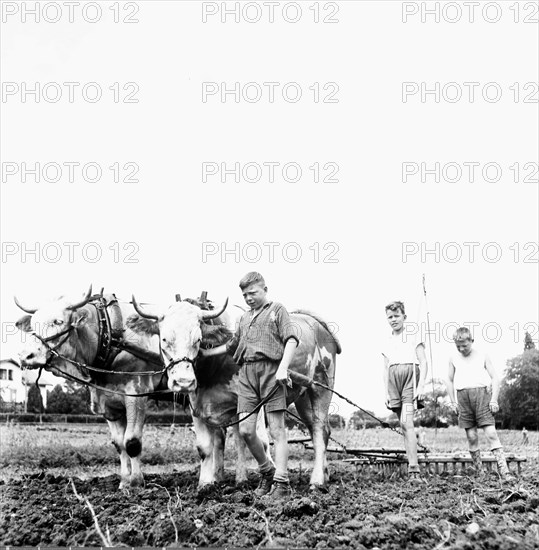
(86, 342)
(213, 400)
(211, 382)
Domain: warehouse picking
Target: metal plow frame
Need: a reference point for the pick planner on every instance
(389, 460)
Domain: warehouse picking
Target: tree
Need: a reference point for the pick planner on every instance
(78, 397)
(35, 401)
(74, 400)
(519, 401)
(528, 342)
(57, 401)
(436, 411)
(361, 420)
(336, 421)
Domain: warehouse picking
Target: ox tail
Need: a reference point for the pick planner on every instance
(322, 322)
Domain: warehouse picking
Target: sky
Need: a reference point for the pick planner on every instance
(167, 166)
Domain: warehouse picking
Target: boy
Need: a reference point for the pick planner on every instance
(264, 346)
(471, 374)
(404, 355)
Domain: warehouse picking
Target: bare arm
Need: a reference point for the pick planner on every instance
(495, 385)
(288, 355)
(450, 384)
(386, 379)
(423, 370)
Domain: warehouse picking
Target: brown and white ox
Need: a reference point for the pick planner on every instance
(211, 382)
(66, 338)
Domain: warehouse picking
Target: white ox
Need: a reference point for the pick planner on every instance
(74, 331)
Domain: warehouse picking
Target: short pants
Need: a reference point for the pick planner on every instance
(474, 410)
(257, 381)
(401, 385)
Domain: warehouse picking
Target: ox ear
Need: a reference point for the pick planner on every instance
(214, 335)
(79, 317)
(142, 325)
(24, 323)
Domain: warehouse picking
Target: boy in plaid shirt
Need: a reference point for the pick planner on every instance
(264, 346)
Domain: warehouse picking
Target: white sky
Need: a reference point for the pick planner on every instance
(368, 214)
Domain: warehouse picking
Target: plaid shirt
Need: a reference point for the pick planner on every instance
(262, 336)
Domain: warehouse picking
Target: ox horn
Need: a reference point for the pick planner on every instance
(142, 313)
(83, 302)
(25, 309)
(212, 314)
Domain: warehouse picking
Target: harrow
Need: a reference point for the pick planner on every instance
(389, 460)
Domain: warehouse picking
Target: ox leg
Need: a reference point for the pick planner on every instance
(117, 431)
(135, 408)
(314, 412)
(262, 432)
(241, 456)
(205, 443)
(219, 436)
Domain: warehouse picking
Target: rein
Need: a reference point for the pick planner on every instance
(107, 342)
(234, 422)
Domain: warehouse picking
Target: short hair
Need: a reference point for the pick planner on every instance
(395, 306)
(462, 333)
(252, 278)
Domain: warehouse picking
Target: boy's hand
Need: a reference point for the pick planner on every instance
(388, 399)
(494, 407)
(454, 407)
(282, 376)
(420, 392)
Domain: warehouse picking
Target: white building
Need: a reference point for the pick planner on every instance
(15, 383)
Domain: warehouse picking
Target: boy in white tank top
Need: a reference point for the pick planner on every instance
(405, 370)
(477, 384)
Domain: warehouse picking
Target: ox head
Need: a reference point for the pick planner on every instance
(182, 331)
(49, 327)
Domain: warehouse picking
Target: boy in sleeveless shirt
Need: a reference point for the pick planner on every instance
(405, 370)
(477, 384)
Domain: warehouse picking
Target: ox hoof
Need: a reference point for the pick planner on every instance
(125, 484)
(136, 482)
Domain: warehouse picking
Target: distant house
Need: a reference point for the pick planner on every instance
(15, 383)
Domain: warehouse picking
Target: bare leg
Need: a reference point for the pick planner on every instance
(473, 445)
(496, 447)
(247, 429)
(410, 441)
(278, 433)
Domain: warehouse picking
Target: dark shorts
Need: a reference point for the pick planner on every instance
(474, 408)
(257, 381)
(401, 385)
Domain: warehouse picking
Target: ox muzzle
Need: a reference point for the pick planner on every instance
(181, 374)
(40, 352)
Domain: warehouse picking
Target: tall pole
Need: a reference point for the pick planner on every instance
(430, 357)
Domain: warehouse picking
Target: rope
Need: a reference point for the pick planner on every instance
(96, 369)
(382, 422)
(234, 422)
